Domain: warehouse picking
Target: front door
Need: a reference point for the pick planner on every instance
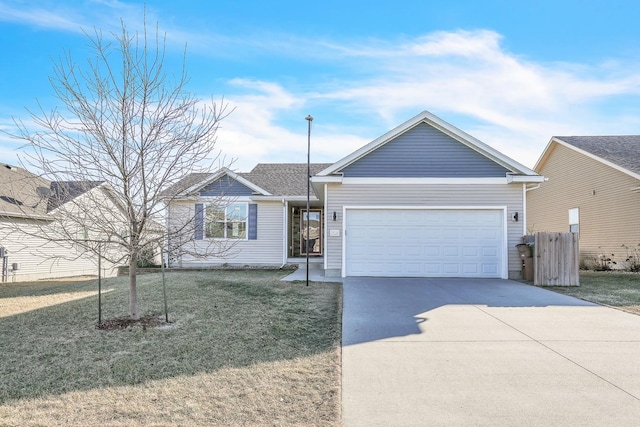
(311, 232)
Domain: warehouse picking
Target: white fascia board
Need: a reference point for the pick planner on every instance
(436, 122)
(326, 179)
(427, 207)
(544, 155)
(318, 189)
(20, 215)
(524, 178)
(217, 199)
(591, 156)
(313, 198)
(430, 181)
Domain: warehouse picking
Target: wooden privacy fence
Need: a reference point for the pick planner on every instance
(556, 259)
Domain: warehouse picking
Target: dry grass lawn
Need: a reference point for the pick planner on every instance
(244, 348)
(617, 290)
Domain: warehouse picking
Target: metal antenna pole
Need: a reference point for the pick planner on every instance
(308, 119)
(100, 285)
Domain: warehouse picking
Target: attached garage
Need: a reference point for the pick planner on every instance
(425, 242)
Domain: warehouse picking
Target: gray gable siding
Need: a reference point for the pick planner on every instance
(424, 152)
(226, 186)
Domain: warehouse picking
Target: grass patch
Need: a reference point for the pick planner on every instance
(244, 348)
(618, 290)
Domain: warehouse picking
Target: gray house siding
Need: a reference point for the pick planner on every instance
(424, 152)
(226, 186)
(424, 195)
(267, 249)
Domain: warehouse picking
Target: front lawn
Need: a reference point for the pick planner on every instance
(244, 348)
(618, 290)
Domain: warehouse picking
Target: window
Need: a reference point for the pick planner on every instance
(82, 235)
(574, 220)
(226, 222)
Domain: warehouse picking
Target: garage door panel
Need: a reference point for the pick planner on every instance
(451, 252)
(451, 268)
(489, 269)
(414, 252)
(470, 269)
(489, 251)
(423, 242)
(470, 251)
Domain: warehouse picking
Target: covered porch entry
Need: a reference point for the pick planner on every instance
(299, 242)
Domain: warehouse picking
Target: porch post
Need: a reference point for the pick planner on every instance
(309, 119)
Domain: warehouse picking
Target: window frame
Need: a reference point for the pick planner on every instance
(227, 221)
(574, 220)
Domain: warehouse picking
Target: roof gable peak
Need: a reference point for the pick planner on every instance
(440, 125)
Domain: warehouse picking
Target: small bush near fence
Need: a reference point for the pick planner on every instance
(632, 263)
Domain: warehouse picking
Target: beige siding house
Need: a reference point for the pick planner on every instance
(593, 188)
(32, 209)
(423, 200)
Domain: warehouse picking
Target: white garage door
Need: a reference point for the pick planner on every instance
(424, 242)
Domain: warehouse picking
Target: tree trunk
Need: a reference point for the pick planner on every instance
(133, 290)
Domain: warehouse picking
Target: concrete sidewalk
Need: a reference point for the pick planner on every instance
(422, 352)
(315, 275)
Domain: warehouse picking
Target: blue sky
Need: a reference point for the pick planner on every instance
(512, 74)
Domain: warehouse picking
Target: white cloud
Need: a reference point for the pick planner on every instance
(512, 103)
(40, 17)
(252, 133)
(360, 89)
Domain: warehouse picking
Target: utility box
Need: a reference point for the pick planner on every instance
(524, 250)
(526, 256)
(15, 266)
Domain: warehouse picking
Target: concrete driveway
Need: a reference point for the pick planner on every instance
(421, 352)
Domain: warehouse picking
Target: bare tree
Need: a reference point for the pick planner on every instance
(126, 125)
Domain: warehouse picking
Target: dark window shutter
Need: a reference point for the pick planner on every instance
(253, 221)
(198, 233)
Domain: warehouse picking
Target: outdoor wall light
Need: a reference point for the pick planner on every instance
(334, 216)
(515, 217)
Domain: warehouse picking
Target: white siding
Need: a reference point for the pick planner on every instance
(266, 250)
(425, 195)
(40, 259)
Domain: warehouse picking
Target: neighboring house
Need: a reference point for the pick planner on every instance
(423, 200)
(29, 209)
(593, 189)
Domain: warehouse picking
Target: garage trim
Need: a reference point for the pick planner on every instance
(504, 267)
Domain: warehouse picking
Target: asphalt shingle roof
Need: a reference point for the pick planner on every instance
(19, 194)
(64, 191)
(279, 179)
(622, 150)
(26, 194)
(283, 179)
(186, 182)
